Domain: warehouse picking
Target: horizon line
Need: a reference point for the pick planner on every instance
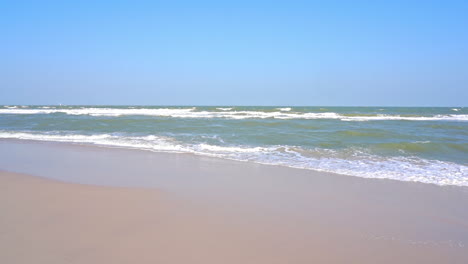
(230, 105)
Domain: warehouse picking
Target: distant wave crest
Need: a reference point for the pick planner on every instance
(227, 113)
(284, 109)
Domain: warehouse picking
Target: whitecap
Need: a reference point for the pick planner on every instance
(284, 109)
(192, 113)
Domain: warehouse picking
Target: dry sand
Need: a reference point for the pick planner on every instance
(47, 221)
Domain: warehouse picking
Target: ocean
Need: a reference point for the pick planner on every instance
(421, 144)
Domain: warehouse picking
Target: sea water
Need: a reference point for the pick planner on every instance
(423, 144)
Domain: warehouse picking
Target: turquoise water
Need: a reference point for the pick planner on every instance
(410, 144)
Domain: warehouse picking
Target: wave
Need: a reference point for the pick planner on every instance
(15, 106)
(227, 114)
(146, 142)
(354, 162)
(284, 109)
(103, 111)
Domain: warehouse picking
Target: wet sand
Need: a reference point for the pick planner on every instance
(265, 214)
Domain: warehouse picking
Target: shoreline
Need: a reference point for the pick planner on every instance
(223, 159)
(131, 205)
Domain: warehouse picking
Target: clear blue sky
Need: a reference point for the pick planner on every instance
(409, 53)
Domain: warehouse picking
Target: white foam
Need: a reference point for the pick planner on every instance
(224, 108)
(103, 111)
(146, 142)
(353, 162)
(285, 109)
(222, 149)
(192, 113)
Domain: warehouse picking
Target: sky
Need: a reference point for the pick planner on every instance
(307, 53)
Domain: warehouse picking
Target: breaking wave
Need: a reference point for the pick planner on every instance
(227, 113)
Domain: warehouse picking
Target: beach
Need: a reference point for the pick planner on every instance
(234, 132)
(64, 203)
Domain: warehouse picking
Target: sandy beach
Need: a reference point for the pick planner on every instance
(299, 217)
